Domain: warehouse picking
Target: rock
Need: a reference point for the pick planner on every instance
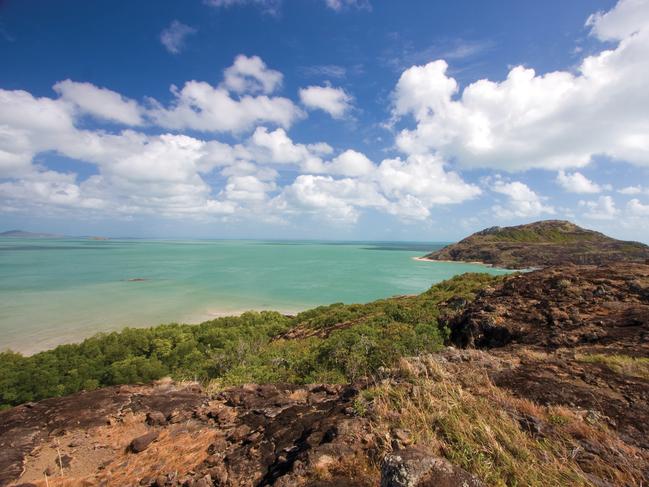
(65, 461)
(531, 424)
(414, 467)
(239, 433)
(155, 418)
(141, 443)
(179, 416)
(401, 438)
(203, 482)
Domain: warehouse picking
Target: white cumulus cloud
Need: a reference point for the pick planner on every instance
(601, 209)
(522, 202)
(251, 75)
(335, 101)
(555, 120)
(577, 183)
(636, 208)
(100, 102)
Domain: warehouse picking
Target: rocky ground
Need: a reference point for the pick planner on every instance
(547, 384)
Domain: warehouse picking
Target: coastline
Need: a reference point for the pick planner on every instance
(34, 345)
(476, 262)
(423, 259)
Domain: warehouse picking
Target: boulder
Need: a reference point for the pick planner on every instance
(415, 467)
(141, 443)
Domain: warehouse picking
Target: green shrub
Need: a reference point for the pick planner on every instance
(351, 341)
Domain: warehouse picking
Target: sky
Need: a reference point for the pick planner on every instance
(323, 119)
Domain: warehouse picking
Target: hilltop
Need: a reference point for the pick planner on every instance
(541, 244)
(536, 379)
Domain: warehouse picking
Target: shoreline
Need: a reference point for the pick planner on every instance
(34, 346)
(492, 266)
(423, 259)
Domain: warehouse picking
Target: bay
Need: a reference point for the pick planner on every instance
(55, 291)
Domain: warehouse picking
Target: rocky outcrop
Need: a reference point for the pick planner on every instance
(541, 244)
(567, 330)
(173, 435)
(561, 307)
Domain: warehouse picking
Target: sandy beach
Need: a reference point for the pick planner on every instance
(423, 259)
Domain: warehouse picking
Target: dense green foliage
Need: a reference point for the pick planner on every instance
(333, 343)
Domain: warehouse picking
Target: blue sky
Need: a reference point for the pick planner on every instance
(344, 119)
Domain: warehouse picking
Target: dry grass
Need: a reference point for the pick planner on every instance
(478, 427)
(179, 448)
(621, 364)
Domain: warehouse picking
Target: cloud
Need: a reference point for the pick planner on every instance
(631, 190)
(335, 199)
(251, 75)
(339, 5)
(276, 147)
(403, 54)
(335, 101)
(172, 174)
(271, 7)
(425, 179)
(350, 163)
(601, 209)
(248, 188)
(577, 183)
(233, 106)
(635, 208)
(523, 202)
(173, 37)
(137, 174)
(200, 106)
(555, 121)
(325, 70)
(100, 102)
(203, 107)
(167, 174)
(628, 18)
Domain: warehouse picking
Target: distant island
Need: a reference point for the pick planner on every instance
(24, 234)
(541, 244)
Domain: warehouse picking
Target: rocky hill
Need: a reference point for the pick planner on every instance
(545, 381)
(541, 244)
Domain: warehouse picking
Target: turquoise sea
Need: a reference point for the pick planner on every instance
(55, 291)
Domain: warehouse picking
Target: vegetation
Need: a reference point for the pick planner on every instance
(540, 244)
(477, 426)
(621, 364)
(335, 343)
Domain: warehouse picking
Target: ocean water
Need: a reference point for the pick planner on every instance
(55, 291)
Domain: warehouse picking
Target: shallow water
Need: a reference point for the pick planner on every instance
(55, 291)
